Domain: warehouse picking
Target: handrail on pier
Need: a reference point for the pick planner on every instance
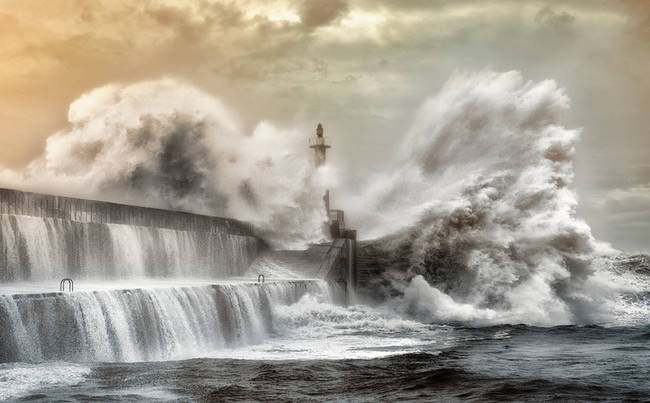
(261, 276)
(67, 281)
(329, 256)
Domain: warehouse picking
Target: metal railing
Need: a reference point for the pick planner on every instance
(318, 141)
(331, 257)
(67, 281)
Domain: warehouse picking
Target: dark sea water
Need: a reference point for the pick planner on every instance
(588, 363)
(317, 350)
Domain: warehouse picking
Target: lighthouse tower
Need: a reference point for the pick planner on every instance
(319, 145)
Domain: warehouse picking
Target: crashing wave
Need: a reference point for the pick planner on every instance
(478, 219)
(167, 144)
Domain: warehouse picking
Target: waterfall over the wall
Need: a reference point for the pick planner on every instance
(162, 295)
(37, 248)
(142, 324)
(49, 237)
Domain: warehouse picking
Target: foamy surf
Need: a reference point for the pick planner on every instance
(17, 380)
(315, 329)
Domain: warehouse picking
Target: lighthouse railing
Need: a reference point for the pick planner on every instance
(318, 141)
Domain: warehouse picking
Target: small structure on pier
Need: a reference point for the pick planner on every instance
(319, 145)
(336, 218)
(339, 264)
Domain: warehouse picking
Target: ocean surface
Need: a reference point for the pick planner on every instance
(318, 351)
(473, 220)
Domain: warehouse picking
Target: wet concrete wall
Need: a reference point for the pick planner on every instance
(45, 237)
(91, 211)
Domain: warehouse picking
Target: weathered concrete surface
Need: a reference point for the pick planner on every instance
(333, 261)
(340, 266)
(81, 210)
(45, 237)
(16, 202)
(372, 272)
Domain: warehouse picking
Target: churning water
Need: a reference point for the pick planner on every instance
(309, 349)
(496, 289)
(236, 339)
(141, 324)
(288, 340)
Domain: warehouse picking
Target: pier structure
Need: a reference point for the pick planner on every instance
(339, 260)
(19, 203)
(46, 237)
(108, 274)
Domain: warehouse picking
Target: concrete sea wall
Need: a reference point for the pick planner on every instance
(15, 202)
(142, 324)
(45, 237)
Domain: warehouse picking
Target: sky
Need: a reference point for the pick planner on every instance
(360, 67)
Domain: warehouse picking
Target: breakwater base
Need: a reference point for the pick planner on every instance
(44, 237)
(142, 323)
(91, 281)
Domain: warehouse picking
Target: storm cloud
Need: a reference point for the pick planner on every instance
(361, 67)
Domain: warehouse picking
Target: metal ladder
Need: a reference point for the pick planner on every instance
(63, 283)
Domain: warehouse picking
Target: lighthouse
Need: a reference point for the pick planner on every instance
(319, 145)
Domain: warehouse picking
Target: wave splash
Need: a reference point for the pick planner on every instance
(167, 144)
(484, 208)
(476, 216)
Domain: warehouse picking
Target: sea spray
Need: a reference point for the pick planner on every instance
(167, 144)
(478, 214)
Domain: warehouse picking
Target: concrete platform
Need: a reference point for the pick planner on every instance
(21, 288)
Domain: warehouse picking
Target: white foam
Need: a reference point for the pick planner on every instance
(50, 252)
(149, 393)
(314, 329)
(119, 131)
(150, 323)
(21, 379)
(271, 269)
(480, 212)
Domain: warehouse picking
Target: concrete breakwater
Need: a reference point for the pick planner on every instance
(45, 237)
(14, 202)
(143, 324)
(334, 262)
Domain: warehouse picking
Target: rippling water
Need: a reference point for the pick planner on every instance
(323, 352)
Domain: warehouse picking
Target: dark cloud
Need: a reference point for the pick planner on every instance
(316, 13)
(555, 20)
(638, 17)
(196, 26)
(363, 76)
